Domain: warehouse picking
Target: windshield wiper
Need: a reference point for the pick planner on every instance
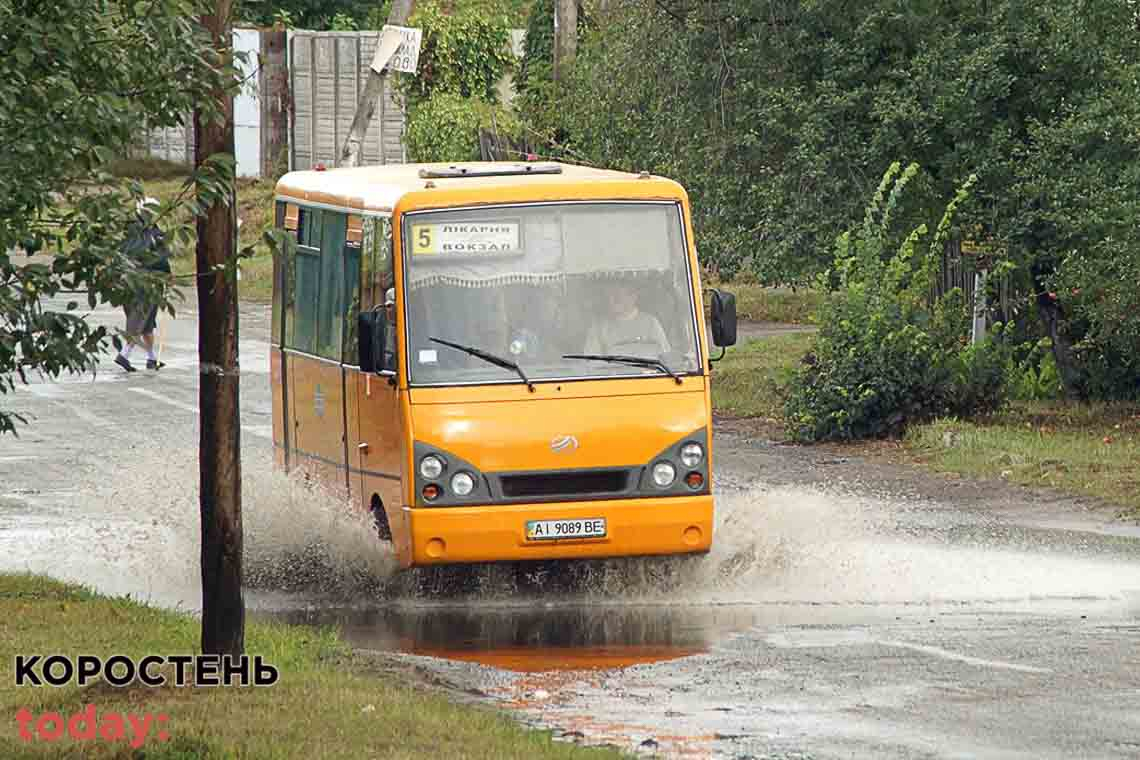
(498, 361)
(636, 361)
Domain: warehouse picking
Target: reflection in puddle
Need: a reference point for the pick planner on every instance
(531, 639)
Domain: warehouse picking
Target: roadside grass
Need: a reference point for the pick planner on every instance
(1089, 449)
(753, 378)
(763, 304)
(147, 168)
(329, 702)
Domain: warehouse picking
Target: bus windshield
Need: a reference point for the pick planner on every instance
(559, 291)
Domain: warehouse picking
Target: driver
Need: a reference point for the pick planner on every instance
(625, 329)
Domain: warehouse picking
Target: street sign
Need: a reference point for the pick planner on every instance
(399, 49)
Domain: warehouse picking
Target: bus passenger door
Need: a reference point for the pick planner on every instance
(374, 423)
(379, 447)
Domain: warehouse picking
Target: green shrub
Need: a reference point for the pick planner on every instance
(446, 127)
(1098, 291)
(885, 356)
(465, 52)
(1031, 372)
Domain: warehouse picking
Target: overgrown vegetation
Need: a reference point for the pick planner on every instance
(446, 127)
(362, 15)
(466, 51)
(889, 353)
(780, 117)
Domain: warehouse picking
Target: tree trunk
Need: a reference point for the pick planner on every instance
(373, 88)
(223, 609)
(1050, 313)
(276, 106)
(565, 36)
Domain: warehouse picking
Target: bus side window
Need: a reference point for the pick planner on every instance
(302, 309)
(333, 298)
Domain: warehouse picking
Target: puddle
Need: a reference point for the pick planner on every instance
(528, 638)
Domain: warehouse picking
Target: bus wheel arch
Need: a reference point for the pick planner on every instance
(380, 517)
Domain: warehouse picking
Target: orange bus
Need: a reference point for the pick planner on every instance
(500, 361)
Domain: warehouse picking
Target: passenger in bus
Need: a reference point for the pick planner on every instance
(626, 329)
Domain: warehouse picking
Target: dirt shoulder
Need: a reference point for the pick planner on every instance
(891, 469)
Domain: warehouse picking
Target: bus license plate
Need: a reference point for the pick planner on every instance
(550, 530)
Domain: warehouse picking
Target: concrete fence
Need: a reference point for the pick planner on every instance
(298, 97)
(327, 72)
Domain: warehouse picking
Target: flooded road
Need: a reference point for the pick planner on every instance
(848, 609)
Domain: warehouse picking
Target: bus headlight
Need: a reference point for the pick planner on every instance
(692, 454)
(462, 484)
(431, 467)
(664, 474)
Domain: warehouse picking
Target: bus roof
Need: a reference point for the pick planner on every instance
(380, 188)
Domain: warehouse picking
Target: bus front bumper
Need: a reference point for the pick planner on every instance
(633, 527)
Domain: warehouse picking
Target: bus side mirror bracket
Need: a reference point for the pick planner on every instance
(371, 334)
(723, 310)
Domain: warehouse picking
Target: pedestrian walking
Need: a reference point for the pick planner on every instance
(146, 246)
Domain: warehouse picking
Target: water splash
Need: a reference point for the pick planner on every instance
(139, 534)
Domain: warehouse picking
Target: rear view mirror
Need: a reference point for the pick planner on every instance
(371, 334)
(723, 319)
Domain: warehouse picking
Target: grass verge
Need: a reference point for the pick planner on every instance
(763, 304)
(329, 702)
(753, 378)
(1077, 448)
(1081, 449)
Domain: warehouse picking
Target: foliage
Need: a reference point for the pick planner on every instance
(885, 356)
(538, 102)
(308, 14)
(378, 15)
(466, 52)
(342, 22)
(1031, 374)
(446, 127)
(536, 69)
(779, 116)
(77, 80)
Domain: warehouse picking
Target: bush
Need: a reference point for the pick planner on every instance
(465, 52)
(446, 127)
(1098, 291)
(885, 356)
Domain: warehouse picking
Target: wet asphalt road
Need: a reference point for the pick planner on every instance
(849, 608)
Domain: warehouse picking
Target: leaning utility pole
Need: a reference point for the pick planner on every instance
(354, 143)
(565, 36)
(219, 449)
